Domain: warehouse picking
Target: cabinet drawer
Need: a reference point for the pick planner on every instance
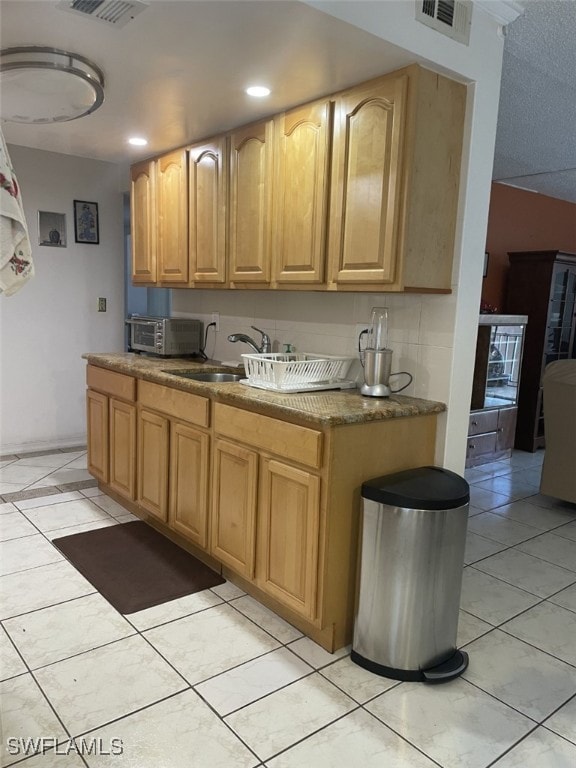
(111, 383)
(280, 437)
(173, 402)
(483, 421)
(478, 445)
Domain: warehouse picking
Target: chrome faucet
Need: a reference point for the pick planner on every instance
(265, 346)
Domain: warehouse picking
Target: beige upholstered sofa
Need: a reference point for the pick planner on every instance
(559, 469)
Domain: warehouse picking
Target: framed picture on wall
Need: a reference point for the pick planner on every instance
(86, 227)
(52, 229)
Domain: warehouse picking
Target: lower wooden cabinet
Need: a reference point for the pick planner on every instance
(173, 460)
(276, 503)
(188, 486)
(98, 441)
(265, 508)
(265, 523)
(288, 535)
(122, 477)
(233, 514)
(111, 429)
(153, 463)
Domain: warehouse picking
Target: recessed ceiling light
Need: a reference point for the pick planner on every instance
(136, 141)
(258, 90)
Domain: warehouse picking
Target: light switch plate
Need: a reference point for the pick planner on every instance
(101, 305)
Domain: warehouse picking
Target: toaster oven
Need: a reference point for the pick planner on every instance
(164, 336)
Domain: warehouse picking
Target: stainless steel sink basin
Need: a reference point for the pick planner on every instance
(218, 378)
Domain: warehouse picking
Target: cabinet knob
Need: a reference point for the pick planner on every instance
(474, 423)
(471, 445)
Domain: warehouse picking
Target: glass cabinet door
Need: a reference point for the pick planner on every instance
(560, 335)
(498, 361)
(504, 359)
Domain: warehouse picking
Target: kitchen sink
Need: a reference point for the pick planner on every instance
(214, 377)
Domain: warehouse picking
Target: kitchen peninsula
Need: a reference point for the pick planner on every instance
(263, 486)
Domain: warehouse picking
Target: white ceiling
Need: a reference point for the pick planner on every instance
(536, 136)
(177, 73)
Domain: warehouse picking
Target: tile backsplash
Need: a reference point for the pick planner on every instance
(421, 327)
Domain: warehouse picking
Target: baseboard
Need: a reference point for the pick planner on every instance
(76, 441)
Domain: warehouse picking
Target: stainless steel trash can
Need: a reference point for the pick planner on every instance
(413, 533)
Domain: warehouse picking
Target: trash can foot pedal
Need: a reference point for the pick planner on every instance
(441, 673)
(448, 670)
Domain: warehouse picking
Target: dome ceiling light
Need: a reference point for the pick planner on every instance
(47, 85)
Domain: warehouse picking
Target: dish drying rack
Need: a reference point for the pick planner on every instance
(297, 371)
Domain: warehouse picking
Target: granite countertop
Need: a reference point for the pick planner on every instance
(327, 407)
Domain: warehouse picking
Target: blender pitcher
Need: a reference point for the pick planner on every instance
(376, 358)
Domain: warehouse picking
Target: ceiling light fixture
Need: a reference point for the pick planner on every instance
(137, 141)
(47, 85)
(259, 91)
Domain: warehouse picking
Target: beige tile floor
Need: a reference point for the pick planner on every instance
(215, 680)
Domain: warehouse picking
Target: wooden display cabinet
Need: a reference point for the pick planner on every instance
(541, 284)
(495, 388)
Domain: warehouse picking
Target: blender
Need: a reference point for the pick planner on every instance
(376, 358)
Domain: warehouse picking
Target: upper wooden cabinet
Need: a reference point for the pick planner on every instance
(207, 193)
(172, 213)
(143, 216)
(396, 171)
(301, 193)
(354, 192)
(251, 170)
(367, 177)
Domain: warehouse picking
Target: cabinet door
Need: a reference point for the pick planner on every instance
(233, 519)
(172, 217)
(207, 211)
(506, 429)
(153, 464)
(303, 141)
(288, 531)
(122, 476)
(143, 222)
(188, 505)
(367, 183)
(250, 203)
(560, 341)
(97, 428)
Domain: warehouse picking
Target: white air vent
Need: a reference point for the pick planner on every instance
(115, 12)
(450, 17)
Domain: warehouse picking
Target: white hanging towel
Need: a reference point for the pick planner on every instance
(16, 265)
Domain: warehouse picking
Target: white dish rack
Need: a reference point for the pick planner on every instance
(297, 371)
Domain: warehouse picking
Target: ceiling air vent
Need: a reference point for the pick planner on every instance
(115, 12)
(450, 17)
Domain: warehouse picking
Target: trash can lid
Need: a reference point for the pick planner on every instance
(421, 488)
